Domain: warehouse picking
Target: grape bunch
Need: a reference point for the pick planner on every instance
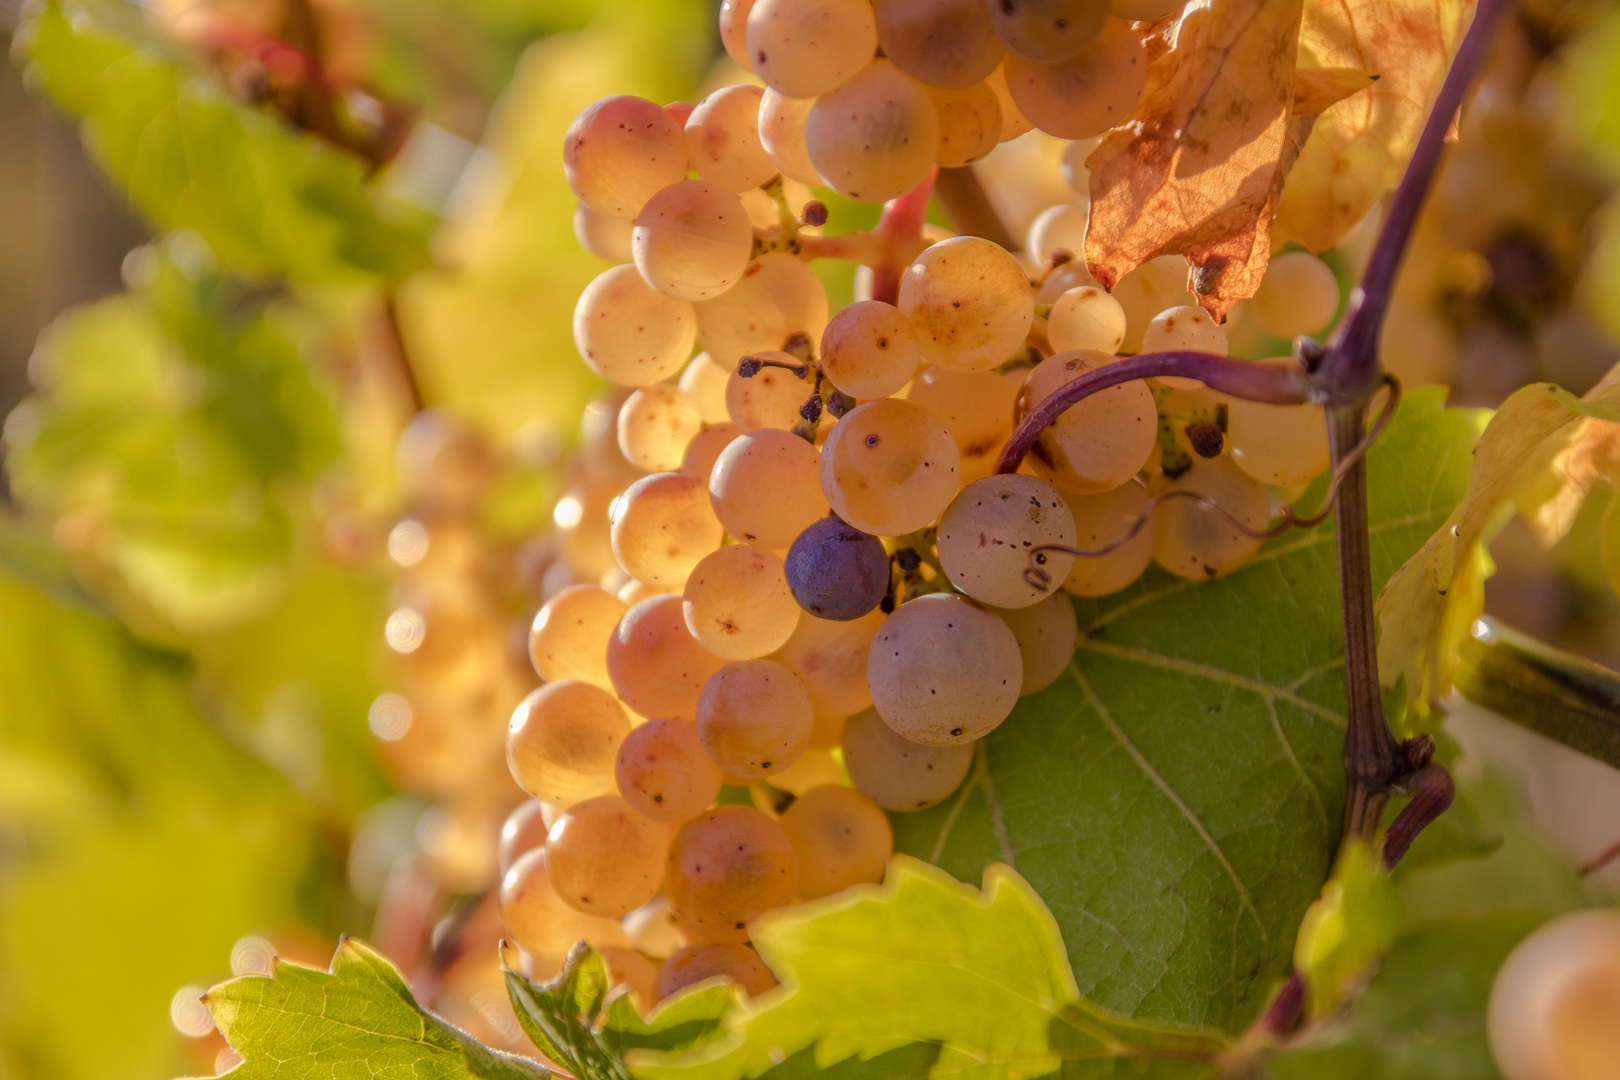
(794, 569)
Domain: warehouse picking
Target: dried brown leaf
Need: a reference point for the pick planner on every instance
(1315, 89)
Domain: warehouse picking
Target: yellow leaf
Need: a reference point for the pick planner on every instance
(1317, 89)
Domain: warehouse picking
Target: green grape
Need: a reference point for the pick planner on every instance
(652, 928)
(603, 236)
(804, 48)
(840, 838)
(1186, 327)
(562, 740)
(889, 467)
(969, 302)
(1552, 1009)
(537, 920)
(830, 660)
(770, 398)
(1047, 31)
(605, 859)
(655, 424)
(943, 43)
(1100, 520)
(569, 637)
(895, 772)
(1298, 295)
(874, 137)
(726, 866)
(706, 382)
(766, 488)
(620, 151)
(778, 296)
(722, 139)
(986, 534)
(524, 830)
(697, 963)
(969, 123)
(944, 671)
(1099, 442)
(868, 350)
(976, 407)
(697, 461)
(737, 603)
(1062, 278)
(1046, 632)
(657, 667)
(1058, 227)
(1084, 94)
(781, 133)
(1198, 543)
(663, 772)
(1086, 318)
(628, 332)
(754, 718)
(661, 527)
(692, 240)
(1278, 444)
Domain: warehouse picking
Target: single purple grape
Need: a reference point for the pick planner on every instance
(836, 571)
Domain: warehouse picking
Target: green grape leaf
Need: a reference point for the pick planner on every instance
(1347, 929)
(267, 199)
(927, 967)
(1175, 798)
(357, 1020)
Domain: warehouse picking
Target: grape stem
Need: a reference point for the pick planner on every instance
(1433, 796)
(899, 231)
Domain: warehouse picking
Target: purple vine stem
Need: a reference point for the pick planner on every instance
(1434, 794)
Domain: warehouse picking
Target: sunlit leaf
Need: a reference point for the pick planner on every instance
(1347, 929)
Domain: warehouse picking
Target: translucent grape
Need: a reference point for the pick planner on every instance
(652, 927)
(1277, 444)
(1185, 327)
(1013, 122)
(944, 671)
(692, 240)
(1298, 295)
(627, 967)
(657, 666)
(837, 572)
(604, 858)
(1144, 10)
(944, 43)
(840, 838)
(869, 349)
(976, 407)
(1085, 94)
(1061, 226)
(701, 453)
(1553, 1005)
(875, 136)
(569, 636)
(1086, 318)
(1047, 30)
(1046, 632)
(1075, 172)
(804, 48)
(778, 296)
(781, 135)
(538, 921)
(523, 830)
(895, 772)
(986, 534)
(1199, 543)
(814, 768)
(889, 467)
(754, 718)
(695, 963)
(766, 487)
(1101, 519)
(1155, 286)
(602, 236)
(737, 603)
(706, 382)
(661, 526)
(969, 123)
(1063, 277)
(830, 658)
(1098, 443)
(663, 772)
(969, 302)
(770, 398)
(734, 31)
(829, 729)
(722, 139)
(621, 151)
(655, 424)
(562, 739)
(726, 866)
(630, 333)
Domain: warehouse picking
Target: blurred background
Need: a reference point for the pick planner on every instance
(228, 729)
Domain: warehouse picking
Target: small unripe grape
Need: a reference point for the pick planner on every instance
(706, 382)
(770, 398)
(569, 637)
(1556, 1000)
(804, 48)
(661, 527)
(830, 658)
(1084, 94)
(705, 448)
(523, 830)
(946, 43)
(895, 772)
(726, 866)
(562, 740)
(1101, 519)
(657, 667)
(737, 603)
(1099, 442)
(969, 302)
(603, 236)
(655, 424)
(692, 240)
(1086, 318)
(1013, 122)
(663, 772)
(988, 531)
(766, 487)
(837, 572)
(538, 921)
(628, 332)
(604, 858)
(620, 151)
(781, 134)
(1278, 444)
(1063, 277)
(627, 967)
(754, 718)
(1061, 226)
(889, 467)
(976, 407)
(1047, 30)
(1198, 543)
(778, 296)
(695, 963)
(869, 349)
(734, 30)
(839, 837)
(722, 139)
(969, 123)
(1153, 287)
(1046, 632)
(944, 671)
(875, 136)
(1298, 295)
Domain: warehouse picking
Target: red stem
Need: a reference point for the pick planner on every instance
(1434, 794)
(901, 223)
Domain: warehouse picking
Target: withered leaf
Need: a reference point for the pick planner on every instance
(1315, 89)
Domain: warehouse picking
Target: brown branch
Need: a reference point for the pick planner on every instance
(399, 353)
(1435, 791)
(969, 207)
